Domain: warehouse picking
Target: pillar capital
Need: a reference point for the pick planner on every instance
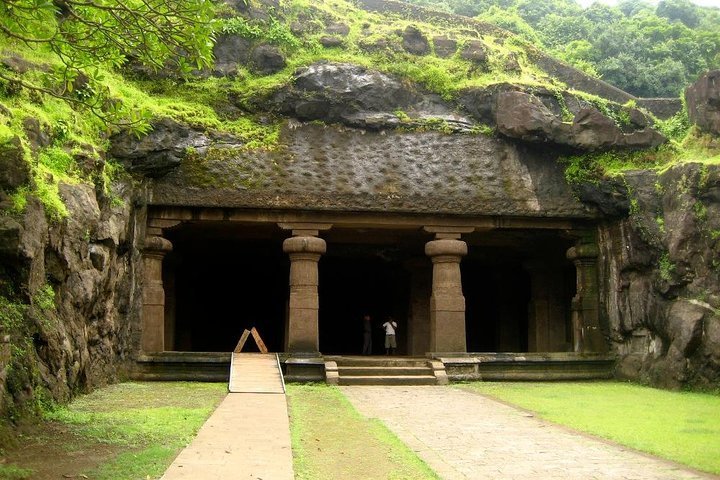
(155, 244)
(304, 244)
(583, 251)
(445, 250)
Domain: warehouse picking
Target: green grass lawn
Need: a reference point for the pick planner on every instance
(331, 440)
(680, 426)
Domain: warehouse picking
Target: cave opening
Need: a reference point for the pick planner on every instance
(355, 280)
(518, 288)
(497, 300)
(219, 282)
(222, 278)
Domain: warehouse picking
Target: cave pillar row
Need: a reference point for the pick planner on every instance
(304, 249)
(447, 303)
(153, 310)
(587, 332)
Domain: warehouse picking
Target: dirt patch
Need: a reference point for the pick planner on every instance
(53, 451)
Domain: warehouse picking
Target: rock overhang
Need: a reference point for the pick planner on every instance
(322, 167)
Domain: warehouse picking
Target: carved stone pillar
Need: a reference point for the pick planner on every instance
(153, 312)
(304, 250)
(546, 311)
(588, 336)
(447, 303)
(418, 326)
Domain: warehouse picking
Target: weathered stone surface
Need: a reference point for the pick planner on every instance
(444, 47)
(37, 135)
(14, 169)
(16, 63)
(526, 117)
(330, 41)
(162, 150)
(661, 288)
(10, 233)
(523, 116)
(230, 51)
(592, 130)
(267, 59)
(340, 169)
(512, 64)
(156, 153)
(355, 96)
(610, 197)
(703, 102)
(474, 51)
(87, 337)
(414, 41)
(685, 325)
(337, 28)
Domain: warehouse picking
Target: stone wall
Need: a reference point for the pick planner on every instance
(661, 271)
(70, 295)
(662, 108)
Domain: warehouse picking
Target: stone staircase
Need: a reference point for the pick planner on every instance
(341, 370)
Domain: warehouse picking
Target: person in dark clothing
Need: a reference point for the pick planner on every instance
(367, 335)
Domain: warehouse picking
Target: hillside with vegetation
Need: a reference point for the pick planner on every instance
(647, 49)
(62, 100)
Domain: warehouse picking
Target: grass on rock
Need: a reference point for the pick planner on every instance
(332, 441)
(679, 426)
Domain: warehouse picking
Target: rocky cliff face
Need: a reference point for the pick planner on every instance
(661, 277)
(68, 294)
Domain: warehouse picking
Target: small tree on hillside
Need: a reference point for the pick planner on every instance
(87, 35)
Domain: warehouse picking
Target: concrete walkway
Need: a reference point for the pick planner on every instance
(463, 435)
(248, 435)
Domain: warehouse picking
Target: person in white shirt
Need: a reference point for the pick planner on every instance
(390, 327)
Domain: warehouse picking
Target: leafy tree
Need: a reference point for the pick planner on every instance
(510, 20)
(88, 35)
(681, 10)
(630, 8)
(558, 30)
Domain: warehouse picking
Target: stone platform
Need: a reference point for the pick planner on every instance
(215, 366)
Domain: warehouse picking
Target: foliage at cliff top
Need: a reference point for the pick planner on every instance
(647, 49)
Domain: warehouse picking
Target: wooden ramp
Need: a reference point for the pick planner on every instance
(255, 373)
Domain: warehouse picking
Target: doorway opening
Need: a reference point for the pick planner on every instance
(219, 283)
(356, 280)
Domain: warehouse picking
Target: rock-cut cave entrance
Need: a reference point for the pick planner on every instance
(222, 278)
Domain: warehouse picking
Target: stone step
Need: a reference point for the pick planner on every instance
(378, 361)
(388, 380)
(383, 371)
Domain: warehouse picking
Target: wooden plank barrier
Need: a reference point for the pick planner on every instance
(256, 336)
(258, 340)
